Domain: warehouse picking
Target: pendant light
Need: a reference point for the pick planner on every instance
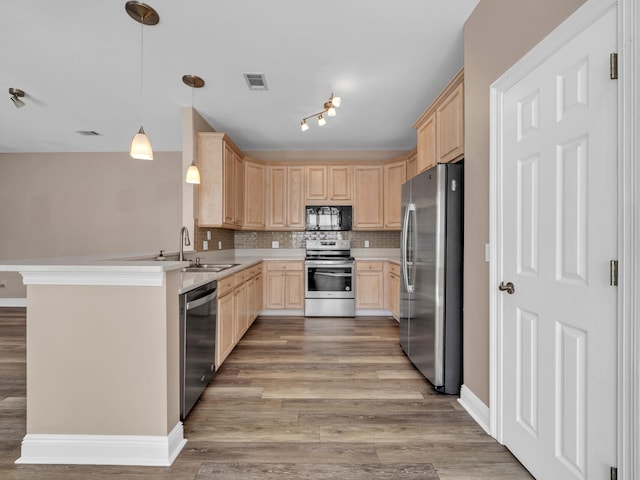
(145, 15)
(193, 81)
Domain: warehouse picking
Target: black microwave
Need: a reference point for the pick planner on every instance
(328, 218)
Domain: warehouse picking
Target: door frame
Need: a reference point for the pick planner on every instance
(628, 303)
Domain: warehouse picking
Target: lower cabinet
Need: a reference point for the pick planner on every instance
(239, 302)
(393, 289)
(369, 284)
(284, 285)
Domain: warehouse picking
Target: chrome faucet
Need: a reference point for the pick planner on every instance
(184, 240)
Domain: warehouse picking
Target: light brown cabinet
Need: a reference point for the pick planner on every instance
(284, 285)
(395, 174)
(327, 184)
(238, 307)
(368, 213)
(412, 163)
(440, 129)
(369, 285)
(393, 289)
(254, 195)
(221, 191)
(285, 197)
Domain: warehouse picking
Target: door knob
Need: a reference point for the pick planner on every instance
(507, 287)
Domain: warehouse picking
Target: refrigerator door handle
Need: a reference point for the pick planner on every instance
(411, 207)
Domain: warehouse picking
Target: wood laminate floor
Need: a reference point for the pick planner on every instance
(298, 398)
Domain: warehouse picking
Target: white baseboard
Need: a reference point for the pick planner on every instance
(13, 302)
(141, 450)
(475, 407)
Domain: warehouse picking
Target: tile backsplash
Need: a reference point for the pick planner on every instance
(380, 239)
(251, 239)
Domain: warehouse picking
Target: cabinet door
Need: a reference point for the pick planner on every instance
(339, 183)
(316, 183)
(427, 144)
(294, 290)
(368, 211)
(450, 116)
(370, 289)
(238, 191)
(412, 165)
(228, 187)
(254, 198)
(274, 290)
(242, 315)
(277, 198)
(259, 293)
(225, 328)
(295, 200)
(394, 176)
(394, 295)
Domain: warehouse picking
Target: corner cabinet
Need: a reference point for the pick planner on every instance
(221, 191)
(285, 197)
(254, 195)
(395, 174)
(440, 129)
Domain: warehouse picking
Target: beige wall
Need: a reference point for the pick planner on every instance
(103, 360)
(496, 35)
(60, 204)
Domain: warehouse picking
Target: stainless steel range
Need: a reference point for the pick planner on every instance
(329, 279)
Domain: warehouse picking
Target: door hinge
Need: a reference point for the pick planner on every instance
(613, 66)
(613, 273)
(614, 473)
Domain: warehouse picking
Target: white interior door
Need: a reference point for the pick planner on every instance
(557, 224)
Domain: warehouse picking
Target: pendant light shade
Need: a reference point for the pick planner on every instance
(193, 174)
(141, 146)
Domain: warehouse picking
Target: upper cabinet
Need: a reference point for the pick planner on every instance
(440, 129)
(368, 189)
(254, 194)
(395, 174)
(327, 184)
(221, 191)
(412, 163)
(285, 197)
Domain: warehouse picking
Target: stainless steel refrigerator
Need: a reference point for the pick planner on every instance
(431, 286)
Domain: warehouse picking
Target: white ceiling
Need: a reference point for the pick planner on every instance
(79, 63)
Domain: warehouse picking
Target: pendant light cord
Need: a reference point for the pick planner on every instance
(141, 68)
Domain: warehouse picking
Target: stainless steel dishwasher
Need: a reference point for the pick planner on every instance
(197, 343)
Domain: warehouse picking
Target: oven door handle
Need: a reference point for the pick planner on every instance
(330, 274)
(201, 301)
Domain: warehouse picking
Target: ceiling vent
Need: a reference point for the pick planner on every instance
(256, 81)
(88, 133)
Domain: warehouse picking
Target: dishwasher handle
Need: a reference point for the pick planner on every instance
(201, 301)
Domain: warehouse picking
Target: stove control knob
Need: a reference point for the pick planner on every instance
(347, 288)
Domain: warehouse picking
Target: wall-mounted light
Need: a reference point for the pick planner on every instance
(329, 108)
(145, 15)
(16, 93)
(193, 81)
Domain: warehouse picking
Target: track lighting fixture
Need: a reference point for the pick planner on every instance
(16, 93)
(145, 15)
(193, 81)
(329, 108)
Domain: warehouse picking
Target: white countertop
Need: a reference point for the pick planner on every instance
(143, 269)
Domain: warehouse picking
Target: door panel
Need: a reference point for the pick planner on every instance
(558, 219)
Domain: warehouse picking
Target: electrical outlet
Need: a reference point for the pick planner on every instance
(219, 244)
(275, 244)
(208, 235)
(205, 245)
(366, 244)
(487, 252)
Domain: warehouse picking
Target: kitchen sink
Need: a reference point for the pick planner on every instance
(209, 267)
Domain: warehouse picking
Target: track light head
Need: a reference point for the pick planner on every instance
(304, 126)
(16, 93)
(321, 121)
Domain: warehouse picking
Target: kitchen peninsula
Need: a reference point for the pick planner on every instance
(103, 354)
